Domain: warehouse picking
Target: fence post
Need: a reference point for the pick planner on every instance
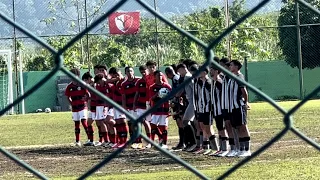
(299, 50)
(246, 77)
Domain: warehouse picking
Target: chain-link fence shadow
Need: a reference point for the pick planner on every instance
(58, 61)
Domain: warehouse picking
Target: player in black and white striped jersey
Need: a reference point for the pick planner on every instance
(239, 106)
(203, 106)
(216, 98)
(226, 109)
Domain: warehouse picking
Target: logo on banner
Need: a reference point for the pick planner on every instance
(124, 23)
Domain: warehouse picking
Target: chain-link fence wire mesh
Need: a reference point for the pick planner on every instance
(137, 122)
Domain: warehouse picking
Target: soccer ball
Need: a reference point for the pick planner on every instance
(163, 92)
(47, 110)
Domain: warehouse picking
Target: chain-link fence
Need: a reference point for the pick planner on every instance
(246, 38)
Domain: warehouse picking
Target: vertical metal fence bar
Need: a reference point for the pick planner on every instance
(299, 50)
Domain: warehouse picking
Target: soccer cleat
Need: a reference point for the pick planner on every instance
(140, 146)
(215, 153)
(192, 148)
(244, 154)
(178, 147)
(199, 151)
(78, 144)
(105, 144)
(207, 152)
(164, 146)
(186, 147)
(88, 143)
(121, 145)
(134, 146)
(232, 153)
(98, 144)
(114, 146)
(223, 153)
(110, 145)
(148, 146)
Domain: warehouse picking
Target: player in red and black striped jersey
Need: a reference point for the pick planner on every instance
(140, 100)
(159, 119)
(128, 91)
(77, 96)
(119, 117)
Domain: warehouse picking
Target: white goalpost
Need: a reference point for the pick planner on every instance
(6, 82)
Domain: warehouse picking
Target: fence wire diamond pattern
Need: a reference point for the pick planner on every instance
(288, 120)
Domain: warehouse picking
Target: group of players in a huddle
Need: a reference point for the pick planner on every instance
(211, 96)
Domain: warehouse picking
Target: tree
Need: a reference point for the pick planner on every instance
(309, 35)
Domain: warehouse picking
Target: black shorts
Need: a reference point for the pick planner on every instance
(205, 118)
(219, 122)
(239, 117)
(226, 115)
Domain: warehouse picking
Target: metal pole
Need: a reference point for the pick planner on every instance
(299, 50)
(79, 29)
(21, 81)
(156, 34)
(246, 76)
(227, 25)
(87, 35)
(14, 51)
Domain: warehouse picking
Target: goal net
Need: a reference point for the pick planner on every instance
(6, 85)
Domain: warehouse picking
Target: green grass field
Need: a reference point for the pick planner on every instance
(290, 158)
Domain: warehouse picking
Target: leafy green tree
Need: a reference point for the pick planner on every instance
(309, 35)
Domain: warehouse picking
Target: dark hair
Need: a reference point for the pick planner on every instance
(237, 63)
(206, 70)
(86, 76)
(142, 68)
(187, 62)
(151, 63)
(98, 77)
(216, 59)
(96, 66)
(174, 67)
(127, 68)
(193, 67)
(113, 70)
(225, 60)
(103, 67)
(75, 71)
(156, 72)
(169, 70)
(181, 66)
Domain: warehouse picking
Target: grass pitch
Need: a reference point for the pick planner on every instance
(42, 140)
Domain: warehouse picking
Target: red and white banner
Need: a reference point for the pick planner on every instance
(124, 23)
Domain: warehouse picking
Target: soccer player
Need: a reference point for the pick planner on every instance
(128, 91)
(189, 115)
(203, 104)
(159, 119)
(239, 106)
(86, 77)
(175, 105)
(120, 118)
(77, 96)
(217, 111)
(225, 107)
(140, 100)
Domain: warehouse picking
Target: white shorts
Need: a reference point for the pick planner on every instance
(118, 115)
(100, 113)
(140, 112)
(92, 115)
(77, 116)
(110, 112)
(161, 120)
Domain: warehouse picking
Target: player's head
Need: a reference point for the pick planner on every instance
(192, 63)
(170, 72)
(99, 78)
(193, 68)
(86, 77)
(104, 70)
(76, 72)
(204, 73)
(158, 76)
(129, 72)
(225, 62)
(235, 66)
(115, 72)
(216, 59)
(187, 62)
(152, 66)
(96, 69)
(182, 69)
(174, 67)
(143, 70)
(213, 70)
